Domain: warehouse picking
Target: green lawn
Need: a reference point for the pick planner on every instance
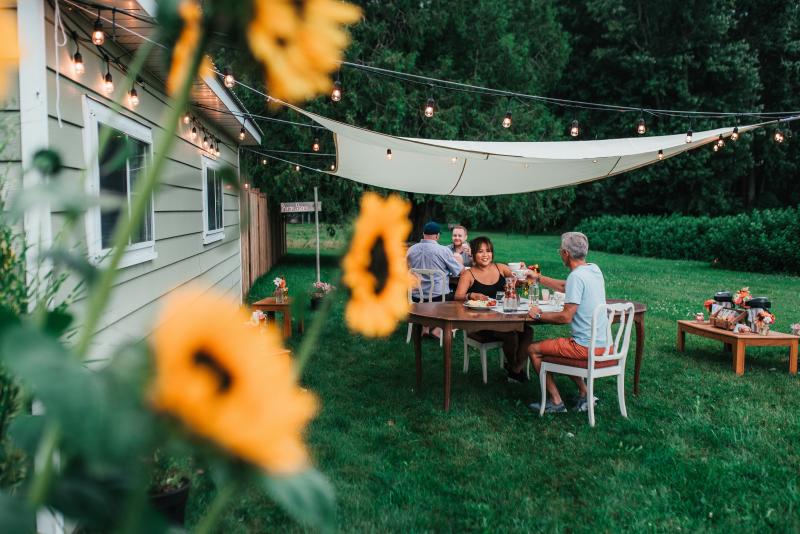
(702, 449)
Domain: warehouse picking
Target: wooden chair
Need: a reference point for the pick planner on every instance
(610, 363)
(483, 348)
(431, 275)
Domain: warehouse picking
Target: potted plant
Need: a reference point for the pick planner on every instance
(320, 291)
(169, 489)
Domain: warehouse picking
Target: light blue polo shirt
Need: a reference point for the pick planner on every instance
(586, 287)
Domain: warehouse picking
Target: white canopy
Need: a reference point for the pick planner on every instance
(476, 168)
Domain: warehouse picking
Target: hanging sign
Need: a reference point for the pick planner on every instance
(299, 207)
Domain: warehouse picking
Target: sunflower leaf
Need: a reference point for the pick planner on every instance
(308, 497)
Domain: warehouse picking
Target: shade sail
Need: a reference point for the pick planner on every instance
(477, 168)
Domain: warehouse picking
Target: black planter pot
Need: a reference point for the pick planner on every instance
(172, 503)
(316, 302)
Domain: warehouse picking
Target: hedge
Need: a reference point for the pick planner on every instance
(759, 240)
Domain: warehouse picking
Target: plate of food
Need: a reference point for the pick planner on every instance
(480, 304)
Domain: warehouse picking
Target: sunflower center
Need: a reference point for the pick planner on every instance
(207, 361)
(378, 265)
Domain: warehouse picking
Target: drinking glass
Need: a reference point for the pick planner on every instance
(545, 294)
(510, 304)
(499, 296)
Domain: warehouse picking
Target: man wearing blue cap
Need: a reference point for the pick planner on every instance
(429, 254)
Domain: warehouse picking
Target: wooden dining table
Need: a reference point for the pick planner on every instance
(453, 315)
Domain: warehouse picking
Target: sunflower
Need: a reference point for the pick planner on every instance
(9, 52)
(300, 43)
(375, 267)
(189, 40)
(230, 383)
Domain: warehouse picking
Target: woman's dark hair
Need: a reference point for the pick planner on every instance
(476, 243)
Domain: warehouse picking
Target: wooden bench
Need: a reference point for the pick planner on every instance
(270, 307)
(739, 342)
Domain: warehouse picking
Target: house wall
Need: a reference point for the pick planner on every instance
(182, 257)
(10, 151)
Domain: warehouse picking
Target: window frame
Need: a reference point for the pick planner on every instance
(95, 114)
(212, 236)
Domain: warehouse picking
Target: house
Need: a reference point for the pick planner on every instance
(191, 233)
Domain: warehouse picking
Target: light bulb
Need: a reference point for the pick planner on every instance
(507, 120)
(77, 63)
(660, 155)
(715, 147)
(98, 35)
(640, 127)
(575, 129)
(315, 145)
(242, 134)
(333, 167)
(133, 97)
(430, 107)
(297, 168)
(720, 141)
(389, 153)
(187, 119)
(336, 94)
(216, 150)
(778, 137)
(735, 134)
(246, 185)
(453, 160)
(689, 136)
(230, 81)
(206, 143)
(193, 135)
(264, 161)
(108, 83)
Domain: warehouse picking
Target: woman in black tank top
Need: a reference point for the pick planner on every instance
(483, 281)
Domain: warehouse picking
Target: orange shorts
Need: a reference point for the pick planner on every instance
(563, 347)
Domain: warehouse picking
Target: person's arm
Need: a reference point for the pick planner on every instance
(453, 267)
(552, 283)
(562, 317)
(504, 270)
(462, 290)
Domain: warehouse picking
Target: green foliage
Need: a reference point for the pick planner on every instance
(757, 241)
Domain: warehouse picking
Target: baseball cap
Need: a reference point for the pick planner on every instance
(431, 228)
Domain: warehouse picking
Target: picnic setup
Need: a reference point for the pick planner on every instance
(328, 265)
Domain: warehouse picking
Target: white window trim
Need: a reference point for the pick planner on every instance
(212, 236)
(95, 113)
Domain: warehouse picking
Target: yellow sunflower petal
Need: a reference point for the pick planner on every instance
(370, 312)
(230, 383)
(9, 51)
(187, 43)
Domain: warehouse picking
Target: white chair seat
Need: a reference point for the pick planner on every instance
(483, 348)
(431, 275)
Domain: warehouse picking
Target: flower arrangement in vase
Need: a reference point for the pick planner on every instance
(763, 321)
(319, 291)
(742, 296)
(281, 291)
(795, 328)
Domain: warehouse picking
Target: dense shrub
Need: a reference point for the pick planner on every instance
(760, 240)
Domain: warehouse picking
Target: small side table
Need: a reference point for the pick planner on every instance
(270, 307)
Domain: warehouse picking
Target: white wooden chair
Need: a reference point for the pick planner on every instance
(431, 275)
(484, 348)
(610, 363)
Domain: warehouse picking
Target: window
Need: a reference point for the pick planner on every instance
(116, 171)
(213, 227)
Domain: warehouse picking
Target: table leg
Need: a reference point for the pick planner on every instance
(639, 324)
(447, 345)
(793, 358)
(681, 338)
(287, 324)
(738, 357)
(416, 335)
(302, 326)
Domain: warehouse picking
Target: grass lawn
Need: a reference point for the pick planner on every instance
(703, 449)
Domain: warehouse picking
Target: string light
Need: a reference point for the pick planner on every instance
(660, 155)
(430, 108)
(715, 146)
(575, 129)
(133, 97)
(297, 168)
(778, 135)
(206, 143)
(217, 151)
(187, 119)
(77, 59)
(641, 129)
(315, 145)
(193, 135)
(735, 134)
(98, 35)
(108, 80)
(242, 134)
(264, 161)
(389, 153)
(689, 136)
(507, 120)
(246, 185)
(720, 141)
(333, 166)
(336, 93)
(230, 81)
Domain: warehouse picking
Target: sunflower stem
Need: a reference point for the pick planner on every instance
(144, 191)
(313, 333)
(44, 469)
(218, 505)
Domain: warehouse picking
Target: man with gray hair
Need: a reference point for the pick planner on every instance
(585, 290)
